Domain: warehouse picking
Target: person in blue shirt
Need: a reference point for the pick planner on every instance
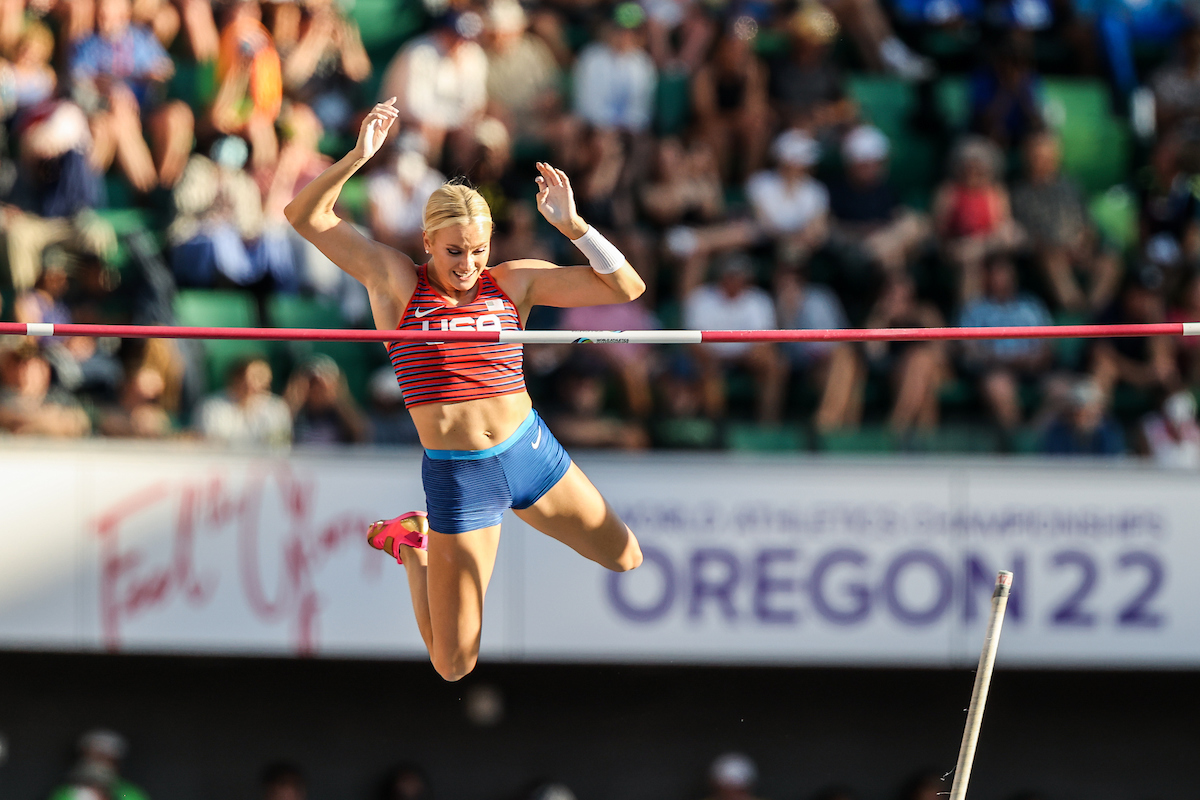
(1085, 427)
(1002, 365)
(118, 75)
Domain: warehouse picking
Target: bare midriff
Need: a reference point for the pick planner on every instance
(473, 424)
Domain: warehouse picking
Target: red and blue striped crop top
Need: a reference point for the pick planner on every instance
(451, 372)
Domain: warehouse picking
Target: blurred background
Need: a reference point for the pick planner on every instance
(187, 608)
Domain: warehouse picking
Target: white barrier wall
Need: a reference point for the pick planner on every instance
(748, 560)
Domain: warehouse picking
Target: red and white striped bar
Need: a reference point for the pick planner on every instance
(606, 337)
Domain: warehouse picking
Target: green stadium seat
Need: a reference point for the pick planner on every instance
(672, 103)
(385, 24)
(765, 438)
(954, 101)
(689, 434)
(1115, 213)
(1096, 143)
(224, 309)
(957, 439)
(957, 394)
(868, 439)
(293, 311)
(1027, 441)
(353, 199)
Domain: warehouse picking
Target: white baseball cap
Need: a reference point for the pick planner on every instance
(797, 148)
(865, 143)
(733, 769)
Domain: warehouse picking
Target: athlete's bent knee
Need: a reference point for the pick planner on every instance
(631, 558)
(455, 668)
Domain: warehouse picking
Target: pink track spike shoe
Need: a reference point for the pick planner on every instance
(411, 529)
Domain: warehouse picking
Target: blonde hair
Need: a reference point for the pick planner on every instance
(455, 204)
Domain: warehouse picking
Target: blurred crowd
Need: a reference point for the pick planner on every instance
(97, 775)
(718, 143)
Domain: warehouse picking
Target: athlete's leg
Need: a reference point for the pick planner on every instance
(448, 583)
(574, 513)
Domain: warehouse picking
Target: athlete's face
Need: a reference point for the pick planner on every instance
(458, 255)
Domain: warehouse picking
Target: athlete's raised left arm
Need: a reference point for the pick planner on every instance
(609, 279)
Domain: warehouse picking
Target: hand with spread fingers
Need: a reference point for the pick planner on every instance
(374, 129)
(556, 201)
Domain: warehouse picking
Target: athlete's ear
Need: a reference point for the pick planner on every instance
(428, 244)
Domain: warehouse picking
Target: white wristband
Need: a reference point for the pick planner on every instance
(604, 257)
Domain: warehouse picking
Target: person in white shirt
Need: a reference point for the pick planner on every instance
(792, 206)
(615, 78)
(246, 413)
(439, 80)
(396, 195)
(733, 303)
(1172, 436)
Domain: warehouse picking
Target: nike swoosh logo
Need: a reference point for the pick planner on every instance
(538, 440)
(418, 313)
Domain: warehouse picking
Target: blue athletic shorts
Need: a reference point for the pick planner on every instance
(470, 489)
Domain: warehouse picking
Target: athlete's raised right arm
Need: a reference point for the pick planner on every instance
(311, 212)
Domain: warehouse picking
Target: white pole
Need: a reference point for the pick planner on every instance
(983, 678)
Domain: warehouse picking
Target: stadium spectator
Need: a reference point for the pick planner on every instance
(118, 73)
(679, 34)
(323, 59)
(283, 781)
(685, 198)
(732, 776)
(1006, 93)
(615, 77)
(807, 88)
(323, 411)
(1177, 85)
(1170, 435)
(97, 772)
(866, 209)
(55, 181)
(734, 303)
(200, 29)
(81, 363)
(792, 206)
(30, 404)
(299, 162)
(246, 413)
(579, 417)
(34, 79)
(836, 370)
(139, 413)
(218, 231)
(524, 81)
(868, 25)
(1169, 224)
(971, 212)
(390, 422)
(396, 195)
(684, 187)
(1085, 428)
(249, 82)
(1003, 365)
(1142, 362)
(915, 370)
(407, 781)
(516, 236)
(730, 103)
(439, 81)
(1050, 209)
(631, 363)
